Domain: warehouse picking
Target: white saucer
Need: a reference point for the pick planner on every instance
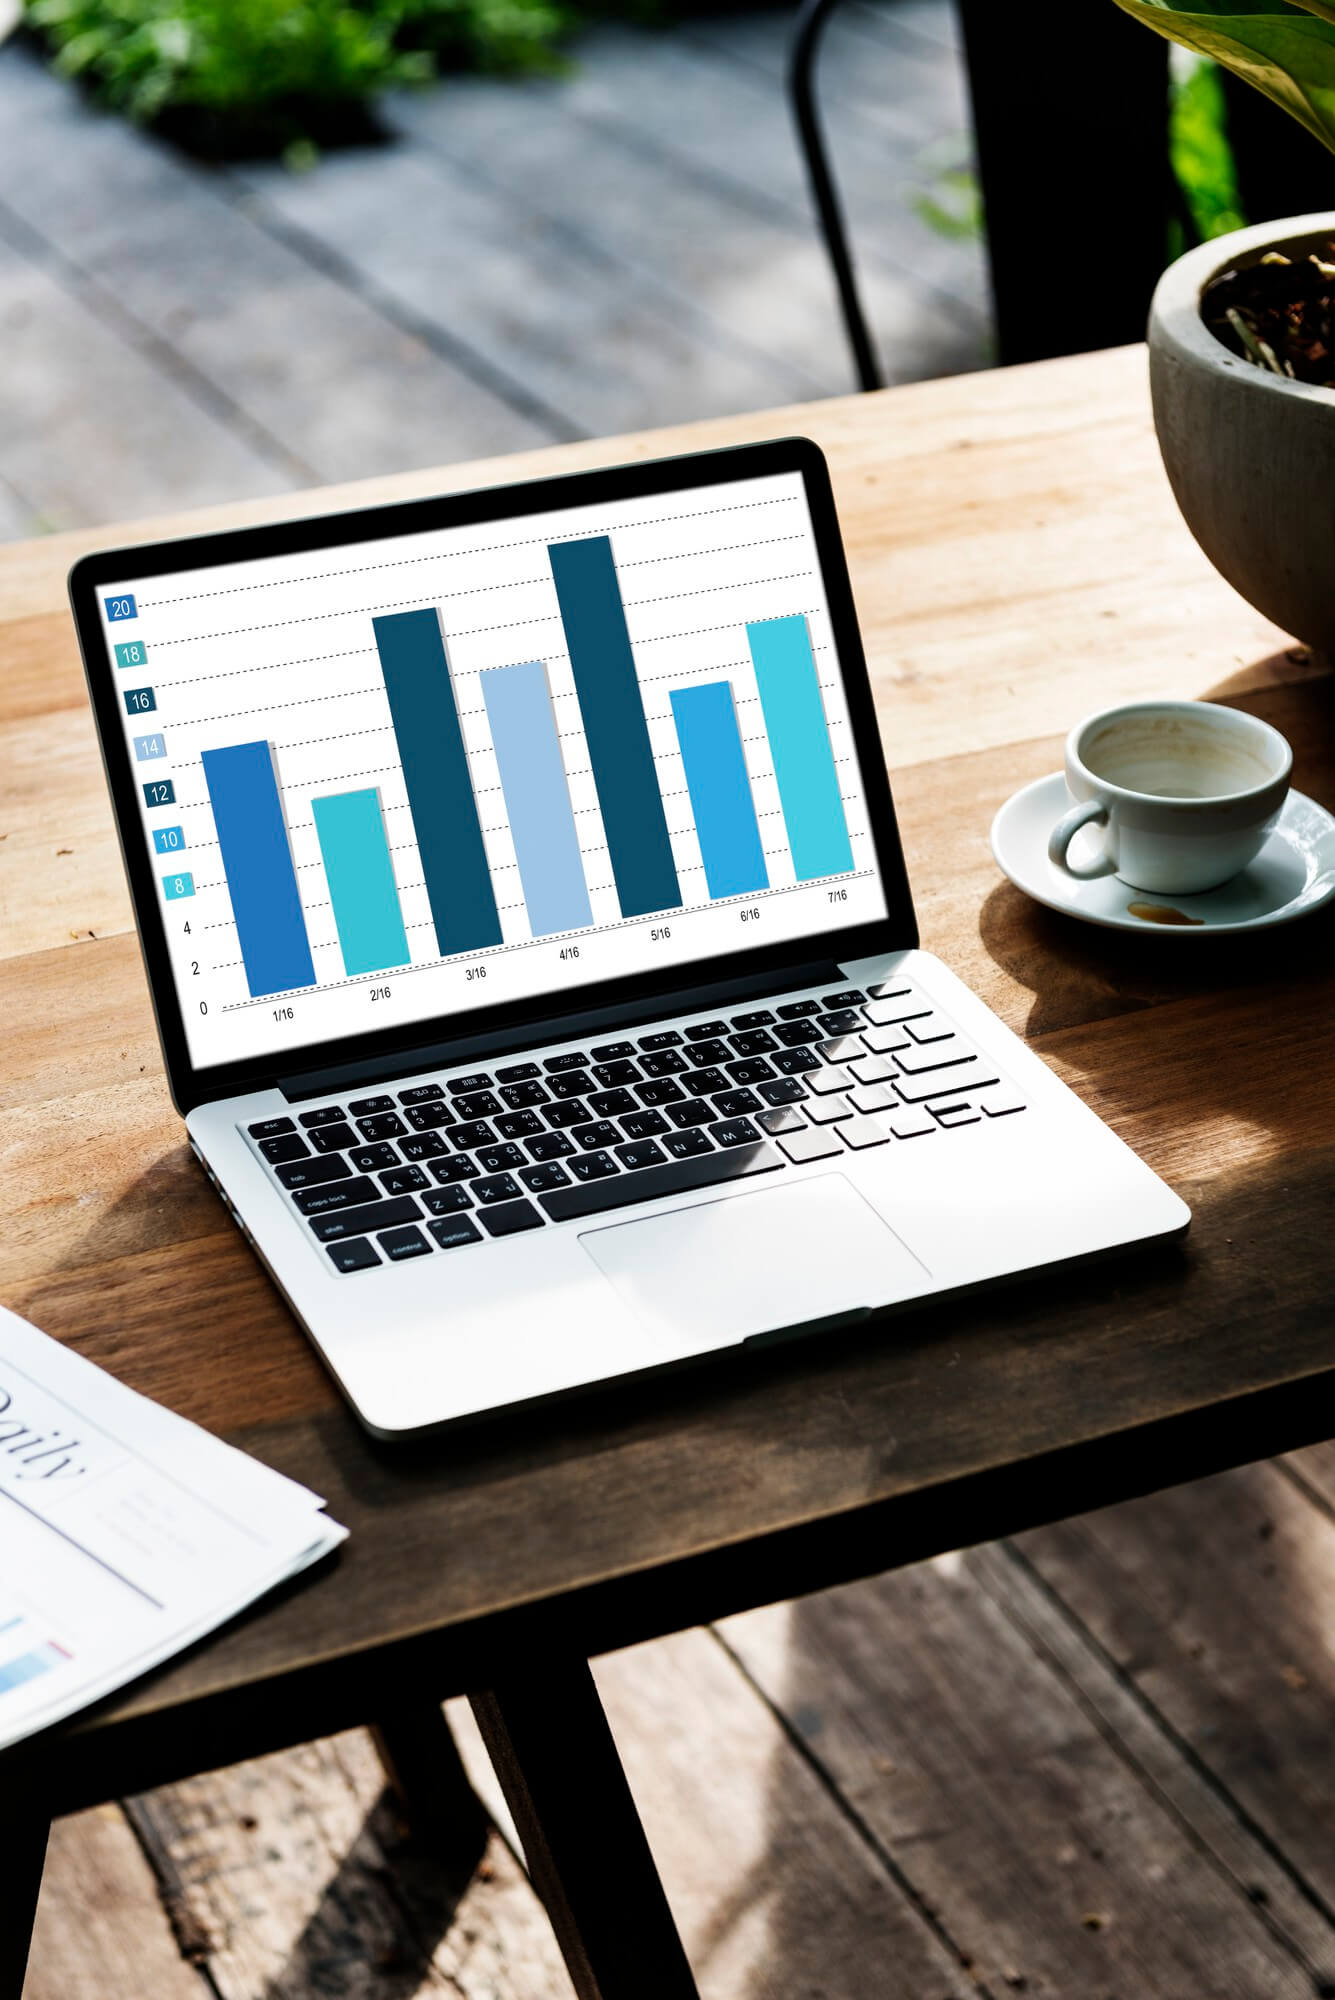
(1293, 874)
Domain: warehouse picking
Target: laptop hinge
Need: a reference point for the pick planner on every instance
(469, 1049)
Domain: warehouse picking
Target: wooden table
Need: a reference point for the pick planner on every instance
(1017, 560)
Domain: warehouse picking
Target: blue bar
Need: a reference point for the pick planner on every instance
(537, 797)
(360, 874)
(440, 786)
(27, 1667)
(614, 725)
(799, 741)
(257, 861)
(720, 789)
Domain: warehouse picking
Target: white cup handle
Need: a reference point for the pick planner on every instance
(1065, 830)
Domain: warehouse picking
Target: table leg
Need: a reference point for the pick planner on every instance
(426, 1773)
(549, 1741)
(24, 1853)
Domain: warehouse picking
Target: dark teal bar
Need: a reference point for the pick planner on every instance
(440, 785)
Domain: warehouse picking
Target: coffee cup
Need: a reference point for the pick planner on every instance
(1186, 793)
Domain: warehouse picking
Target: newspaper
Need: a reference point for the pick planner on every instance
(126, 1533)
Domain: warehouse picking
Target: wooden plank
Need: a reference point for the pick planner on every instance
(1315, 1467)
(1046, 1858)
(1213, 1603)
(296, 1874)
(343, 390)
(101, 1930)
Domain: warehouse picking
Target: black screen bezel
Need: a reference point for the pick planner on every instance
(191, 1084)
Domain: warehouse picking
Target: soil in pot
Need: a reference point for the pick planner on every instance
(1279, 314)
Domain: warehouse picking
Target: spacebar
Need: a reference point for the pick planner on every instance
(730, 1163)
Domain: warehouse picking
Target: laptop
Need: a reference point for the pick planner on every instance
(533, 957)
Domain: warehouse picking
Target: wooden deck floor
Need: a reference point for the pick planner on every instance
(1094, 1764)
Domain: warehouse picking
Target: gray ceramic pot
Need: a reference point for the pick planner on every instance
(1251, 455)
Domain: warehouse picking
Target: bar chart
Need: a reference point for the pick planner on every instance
(434, 775)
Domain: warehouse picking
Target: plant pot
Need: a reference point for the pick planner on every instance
(1250, 455)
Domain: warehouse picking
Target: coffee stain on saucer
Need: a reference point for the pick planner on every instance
(1161, 913)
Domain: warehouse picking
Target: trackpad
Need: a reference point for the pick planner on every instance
(749, 1263)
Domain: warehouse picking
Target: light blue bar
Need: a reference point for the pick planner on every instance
(148, 747)
(26, 1668)
(360, 874)
(176, 886)
(720, 789)
(799, 741)
(537, 797)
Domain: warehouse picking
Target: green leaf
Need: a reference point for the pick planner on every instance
(1288, 52)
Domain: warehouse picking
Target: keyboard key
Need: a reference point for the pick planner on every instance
(351, 1193)
(889, 989)
(328, 1114)
(370, 1159)
(667, 1038)
(420, 1093)
(796, 1034)
(422, 1146)
(613, 1052)
(571, 1083)
(665, 1091)
(477, 1104)
(792, 1062)
(1000, 1100)
(571, 1060)
(959, 1079)
(705, 1031)
(520, 1095)
(446, 1200)
(736, 1103)
(785, 1119)
(754, 1070)
(400, 1244)
(872, 1069)
(593, 1166)
(644, 1125)
(647, 1153)
(517, 1072)
(558, 1116)
(382, 1125)
(952, 1054)
(825, 1082)
(873, 1097)
(688, 1145)
(841, 1021)
(798, 1010)
(754, 1043)
(762, 1018)
(538, 1180)
(458, 1167)
(859, 1133)
(825, 1110)
(904, 1006)
(600, 1132)
(518, 1124)
(924, 1028)
(693, 1112)
(500, 1159)
(675, 1177)
(476, 1079)
(496, 1187)
(511, 1217)
(705, 1082)
(706, 1053)
(783, 1090)
(955, 1111)
(841, 1048)
(314, 1173)
(803, 1147)
(362, 1107)
(426, 1117)
(667, 1064)
(911, 1121)
(612, 1074)
(612, 1103)
(551, 1146)
(356, 1255)
(454, 1231)
(734, 1132)
(884, 1041)
(291, 1146)
(465, 1138)
(356, 1221)
(852, 998)
(333, 1138)
(404, 1180)
(270, 1128)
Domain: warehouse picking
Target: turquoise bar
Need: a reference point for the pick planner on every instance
(360, 874)
(799, 741)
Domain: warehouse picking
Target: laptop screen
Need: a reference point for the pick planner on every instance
(385, 782)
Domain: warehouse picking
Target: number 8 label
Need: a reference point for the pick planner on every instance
(176, 886)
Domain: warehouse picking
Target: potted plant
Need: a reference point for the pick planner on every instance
(1242, 340)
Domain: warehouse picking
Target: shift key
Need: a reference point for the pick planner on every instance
(356, 1221)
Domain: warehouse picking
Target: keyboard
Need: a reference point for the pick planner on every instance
(530, 1142)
